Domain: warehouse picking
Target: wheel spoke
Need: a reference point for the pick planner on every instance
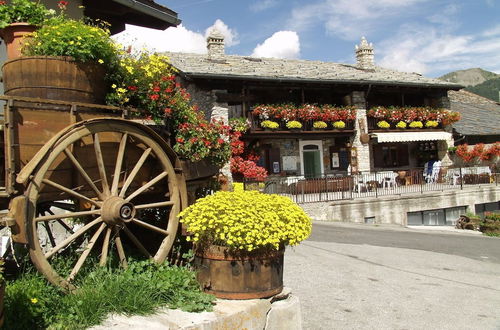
(153, 205)
(86, 252)
(61, 205)
(149, 226)
(67, 215)
(137, 243)
(100, 164)
(146, 186)
(105, 248)
(49, 233)
(71, 238)
(119, 248)
(69, 191)
(134, 172)
(84, 174)
(65, 226)
(119, 162)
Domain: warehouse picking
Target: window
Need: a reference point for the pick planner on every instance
(390, 155)
(438, 217)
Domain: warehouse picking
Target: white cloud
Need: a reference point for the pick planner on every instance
(174, 39)
(282, 44)
(230, 35)
(426, 49)
(263, 5)
(349, 19)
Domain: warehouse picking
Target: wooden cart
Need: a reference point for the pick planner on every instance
(85, 185)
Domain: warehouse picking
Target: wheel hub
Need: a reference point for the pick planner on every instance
(116, 210)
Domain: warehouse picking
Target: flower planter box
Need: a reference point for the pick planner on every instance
(249, 275)
(55, 78)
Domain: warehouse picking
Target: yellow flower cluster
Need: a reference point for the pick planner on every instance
(383, 124)
(246, 220)
(269, 124)
(339, 124)
(416, 124)
(294, 124)
(431, 123)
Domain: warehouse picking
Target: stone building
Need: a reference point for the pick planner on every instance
(227, 86)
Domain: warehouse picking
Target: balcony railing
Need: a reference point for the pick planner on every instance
(376, 184)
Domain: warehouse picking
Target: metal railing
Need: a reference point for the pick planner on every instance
(375, 184)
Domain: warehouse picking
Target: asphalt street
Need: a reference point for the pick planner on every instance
(350, 276)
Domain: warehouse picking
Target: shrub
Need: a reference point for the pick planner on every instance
(83, 41)
(33, 303)
(246, 220)
(25, 11)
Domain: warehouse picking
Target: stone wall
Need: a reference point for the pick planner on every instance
(394, 209)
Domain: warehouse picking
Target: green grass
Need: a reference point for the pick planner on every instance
(492, 234)
(33, 303)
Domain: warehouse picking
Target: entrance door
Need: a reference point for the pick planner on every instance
(312, 165)
(311, 158)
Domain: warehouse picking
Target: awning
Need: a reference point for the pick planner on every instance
(410, 136)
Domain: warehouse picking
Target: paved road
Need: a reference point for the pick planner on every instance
(366, 277)
(456, 243)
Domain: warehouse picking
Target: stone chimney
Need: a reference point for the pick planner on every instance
(364, 55)
(215, 44)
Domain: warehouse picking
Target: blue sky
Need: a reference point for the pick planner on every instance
(431, 37)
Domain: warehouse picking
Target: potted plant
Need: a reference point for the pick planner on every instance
(431, 124)
(80, 49)
(416, 124)
(401, 125)
(240, 238)
(269, 124)
(319, 125)
(339, 124)
(294, 125)
(18, 19)
(383, 124)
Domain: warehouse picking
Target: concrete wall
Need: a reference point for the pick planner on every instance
(393, 209)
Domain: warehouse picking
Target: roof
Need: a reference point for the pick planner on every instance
(145, 13)
(480, 116)
(253, 68)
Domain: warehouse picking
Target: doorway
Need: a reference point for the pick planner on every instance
(312, 158)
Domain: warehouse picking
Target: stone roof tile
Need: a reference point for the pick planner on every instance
(272, 68)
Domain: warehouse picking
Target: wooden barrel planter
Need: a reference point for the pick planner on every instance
(55, 78)
(246, 276)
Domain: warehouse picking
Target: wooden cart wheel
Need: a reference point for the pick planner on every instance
(105, 192)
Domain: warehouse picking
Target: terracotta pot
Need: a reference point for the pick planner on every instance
(54, 78)
(13, 36)
(247, 275)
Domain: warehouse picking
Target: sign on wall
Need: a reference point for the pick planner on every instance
(289, 163)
